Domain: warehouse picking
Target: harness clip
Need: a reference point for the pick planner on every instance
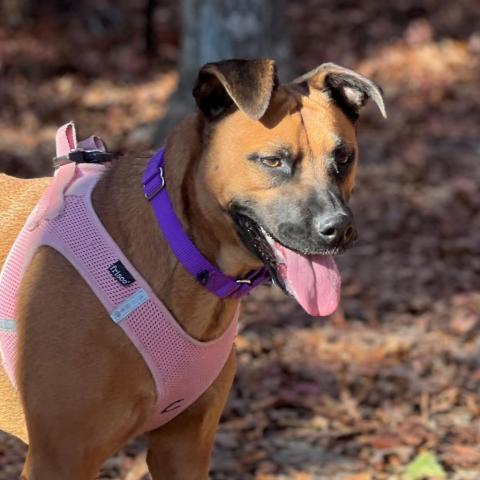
(82, 156)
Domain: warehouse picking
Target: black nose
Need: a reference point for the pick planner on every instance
(337, 231)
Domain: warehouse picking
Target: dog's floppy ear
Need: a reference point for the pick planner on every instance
(246, 84)
(347, 88)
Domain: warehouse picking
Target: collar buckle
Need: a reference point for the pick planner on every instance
(151, 191)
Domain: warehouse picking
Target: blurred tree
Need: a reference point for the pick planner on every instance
(12, 12)
(218, 29)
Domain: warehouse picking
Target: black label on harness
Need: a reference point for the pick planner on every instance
(121, 274)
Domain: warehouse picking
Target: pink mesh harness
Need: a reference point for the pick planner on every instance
(64, 219)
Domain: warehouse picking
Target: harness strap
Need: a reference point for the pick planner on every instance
(66, 141)
(66, 146)
(69, 150)
(182, 246)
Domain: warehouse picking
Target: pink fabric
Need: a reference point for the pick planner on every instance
(66, 139)
(182, 367)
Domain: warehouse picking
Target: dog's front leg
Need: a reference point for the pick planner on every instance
(181, 449)
(58, 464)
(84, 387)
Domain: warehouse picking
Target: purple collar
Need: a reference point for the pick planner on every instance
(187, 253)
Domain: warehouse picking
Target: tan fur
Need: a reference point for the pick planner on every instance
(84, 388)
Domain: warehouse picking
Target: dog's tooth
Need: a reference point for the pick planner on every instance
(268, 237)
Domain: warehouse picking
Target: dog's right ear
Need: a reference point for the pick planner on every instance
(244, 84)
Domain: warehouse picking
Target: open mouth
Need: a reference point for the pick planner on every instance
(313, 279)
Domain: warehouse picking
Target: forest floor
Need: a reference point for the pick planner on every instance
(389, 386)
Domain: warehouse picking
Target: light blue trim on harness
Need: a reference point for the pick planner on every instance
(129, 305)
(7, 325)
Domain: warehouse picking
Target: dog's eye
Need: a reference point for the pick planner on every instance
(272, 162)
(344, 158)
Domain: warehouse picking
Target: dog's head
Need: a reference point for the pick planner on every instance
(280, 163)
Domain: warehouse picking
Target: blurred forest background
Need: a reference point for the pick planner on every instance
(389, 386)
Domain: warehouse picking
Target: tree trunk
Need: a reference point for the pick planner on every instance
(214, 30)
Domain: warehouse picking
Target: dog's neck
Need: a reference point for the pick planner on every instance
(118, 200)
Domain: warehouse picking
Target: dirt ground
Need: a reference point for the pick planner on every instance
(389, 386)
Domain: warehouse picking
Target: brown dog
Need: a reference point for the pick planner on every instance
(258, 157)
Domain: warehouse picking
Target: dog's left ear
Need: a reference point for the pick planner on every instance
(245, 84)
(348, 89)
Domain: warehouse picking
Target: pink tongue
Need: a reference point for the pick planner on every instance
(314, 280)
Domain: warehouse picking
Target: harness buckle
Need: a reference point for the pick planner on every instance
(149, 194)
(80, 155)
